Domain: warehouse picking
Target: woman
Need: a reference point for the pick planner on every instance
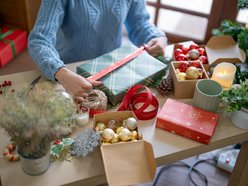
(75, 30)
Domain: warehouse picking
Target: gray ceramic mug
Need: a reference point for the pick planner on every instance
(206, 95)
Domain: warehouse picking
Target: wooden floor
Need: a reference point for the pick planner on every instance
(178, 175)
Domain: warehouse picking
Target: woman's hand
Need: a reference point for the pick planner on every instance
(77, 86)
(156, 46)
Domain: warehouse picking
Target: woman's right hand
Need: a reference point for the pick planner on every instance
(77, 86)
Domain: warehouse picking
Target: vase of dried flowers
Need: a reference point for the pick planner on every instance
(33, 119)
(35, 166)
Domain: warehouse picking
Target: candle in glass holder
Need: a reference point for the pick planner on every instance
(224, 74)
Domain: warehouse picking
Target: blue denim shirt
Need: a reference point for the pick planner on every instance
(74, 30)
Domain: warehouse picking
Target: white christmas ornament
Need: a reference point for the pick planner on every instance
(131, 123)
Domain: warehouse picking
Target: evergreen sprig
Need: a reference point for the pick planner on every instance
(242, 4)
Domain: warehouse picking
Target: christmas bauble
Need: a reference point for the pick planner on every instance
(113, 124)
(124, 134)
(100, 126)
(183, 66)
(177, 51)
(181, 57)
(196, 64)
(119, 129)
(193, 46)
(194, 54)
(115, 138)
(201, 51)
(134, 135)
(108, 134)
(131, 123)
(192, 73)
(181, 76)
(184, 49)
(203, 59)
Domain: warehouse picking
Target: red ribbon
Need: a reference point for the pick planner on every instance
(117, 64)
(134, 97)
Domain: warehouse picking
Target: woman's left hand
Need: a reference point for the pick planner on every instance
(156, 46)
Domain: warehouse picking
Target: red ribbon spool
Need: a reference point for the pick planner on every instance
(134, 97)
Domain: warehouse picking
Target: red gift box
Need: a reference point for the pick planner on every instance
(188, 121)
(12, 42)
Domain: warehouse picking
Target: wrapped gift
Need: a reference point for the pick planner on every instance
(188, 121)
(12, 42)
(144, 69)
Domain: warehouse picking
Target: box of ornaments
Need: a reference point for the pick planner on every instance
(218, 49)
(184, 75)
(127, 158)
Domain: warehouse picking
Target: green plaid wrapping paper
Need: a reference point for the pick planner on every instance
(144, 69)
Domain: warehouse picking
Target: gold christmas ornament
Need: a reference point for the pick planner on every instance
(124, 134)
(134, 135)
(119, 129)
(100, 126)
(115, 139)
(181, 76)
(108, 134)
(131, 123)
(192, 73)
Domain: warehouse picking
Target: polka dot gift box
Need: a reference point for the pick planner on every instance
(188, 121)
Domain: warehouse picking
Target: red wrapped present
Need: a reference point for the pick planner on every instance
(12, 42)
(188, 121)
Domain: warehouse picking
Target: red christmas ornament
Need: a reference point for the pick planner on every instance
(184, 49)
(196, 64)
(181, 57)
(183, 66)
(177, 51)
(203, 59)
(193, 46)
(201, 51)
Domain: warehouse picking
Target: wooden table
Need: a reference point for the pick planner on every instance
(167, 148)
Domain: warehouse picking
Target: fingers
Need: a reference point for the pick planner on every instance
(94, 83)
(156, 46)
(155, 50)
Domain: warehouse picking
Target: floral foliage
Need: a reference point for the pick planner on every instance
(236, 97)
(34, 118)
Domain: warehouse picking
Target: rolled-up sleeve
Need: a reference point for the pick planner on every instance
(140, 29)
(42, 39)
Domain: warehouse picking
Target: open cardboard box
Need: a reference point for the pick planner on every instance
(220, 49)
(223, 49)
(183, 89)
(126, 163)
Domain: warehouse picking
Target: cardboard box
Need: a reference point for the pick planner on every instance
(126, 163)
(183, 89)
(144, 69)
(220, 49)
(188, 121)
(13, 42)
(224, 49)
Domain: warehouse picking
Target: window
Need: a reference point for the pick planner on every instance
(193, 19)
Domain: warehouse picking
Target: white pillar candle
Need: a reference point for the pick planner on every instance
(224, 74)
